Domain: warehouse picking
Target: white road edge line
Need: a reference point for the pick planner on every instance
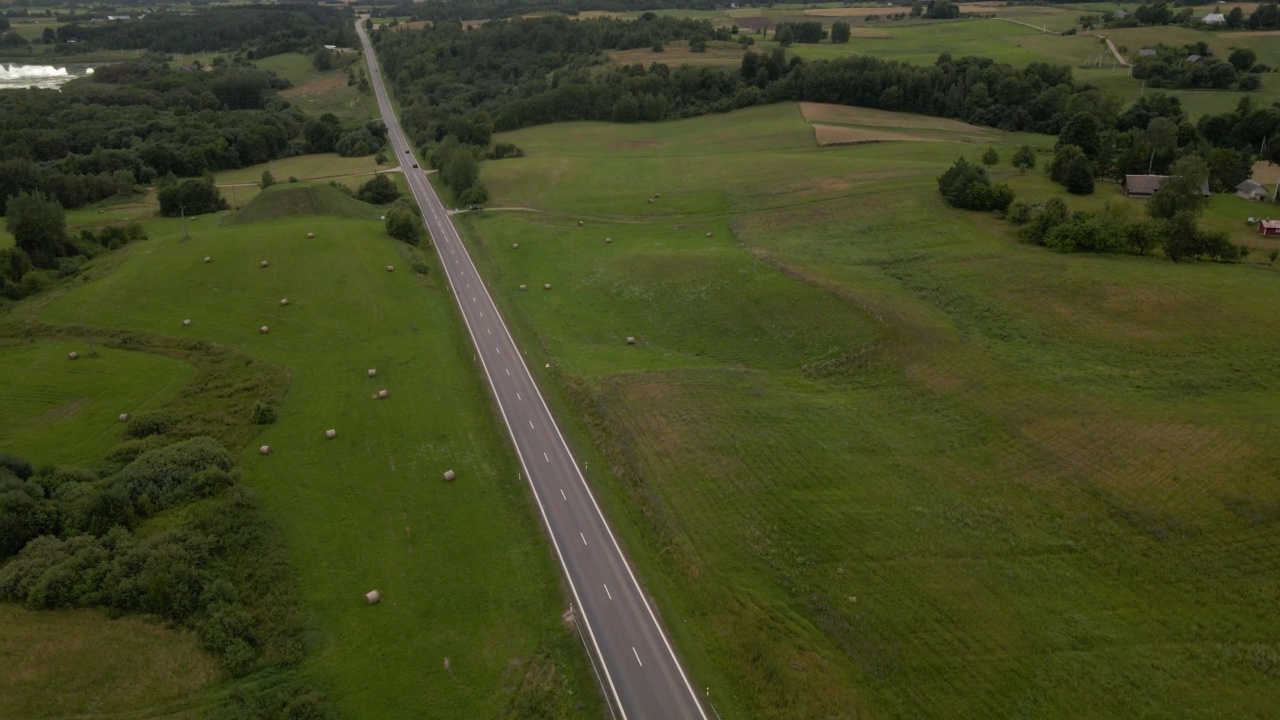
(633, 650)
(566, 497)
(606, 591)
(584, 538)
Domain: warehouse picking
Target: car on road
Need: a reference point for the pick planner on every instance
(415, 165)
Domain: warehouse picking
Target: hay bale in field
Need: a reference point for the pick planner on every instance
(709, 234)
(264, 450)
(383, 394)
(515, 246)
(631, 340)
(657, 195)
(124, 417)
(580, 223)
(73, 355)
(546, 286)
(264, 263)
(186, 323)
(331, 433)
(650, 201)
(264, 329)
(373, 597)
(391, 268)
(373, 373)
(524, 287)
(449, 475)
(608, 240)
(284, 301)
(208, 259)
(311, 235)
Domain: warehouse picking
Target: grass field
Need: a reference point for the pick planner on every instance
(470, 622)
(875, 457)
(316, 92)
(80, 664)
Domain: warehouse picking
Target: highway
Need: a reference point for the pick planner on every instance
(641, 676)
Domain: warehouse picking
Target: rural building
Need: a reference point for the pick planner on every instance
(1250, 190)
(1194, 58)
(1214, 19)
(1147, 52)
(1119, 14)
(118, 17)
(1148, 185)
(1269, 228)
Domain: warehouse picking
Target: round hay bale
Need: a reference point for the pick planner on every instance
(284, 301)
(186, 323)
(373, 373)
(580, 223)
(373, 597)
(657, 195)
(709, 234)
(383, 394)
(311, 235)
(449, 475)
(524, 287)
(124, 417)
(650, 201)
(264, 450)
(608, 240)
(515, 246)
(546, 286)
(208, 259)
(331, 433)
(631, 340)
(73, 355)
(391, 268)
(264, 263)
(264, 329)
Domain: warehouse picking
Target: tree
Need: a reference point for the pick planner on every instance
(1082, 131)
(917, 8)
(378, 191)
(1078, 177)
(1024, 159)
(191, 197)
(49, 37)
(322, 60)
(39, 227)
(840, 32)
(784, 35)
(697, 44)
(1235, 19)
(404, 225)
(267, 180)
(1182, 191)
(1063, 159)
(990, 157)
(1243, 58)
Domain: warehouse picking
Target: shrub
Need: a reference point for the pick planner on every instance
(379, 191)
(153, 423)
(263, 414)
(174, 474)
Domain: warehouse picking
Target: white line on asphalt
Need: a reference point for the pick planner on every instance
(530, 424)
(489, 331)
(606, 591)
(633, 649)
(584, 538)
(566, 497)
(544, 457)
(498, 350)
(519, 398)
(508, 371)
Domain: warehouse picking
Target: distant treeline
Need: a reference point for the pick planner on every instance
(259, 31)
(1265, 17)
(437, 10)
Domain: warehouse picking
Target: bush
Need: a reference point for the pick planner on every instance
(154, 423)
(174, 474)
(966, 185)
(379, 191)
(404, 225)
(263, 414)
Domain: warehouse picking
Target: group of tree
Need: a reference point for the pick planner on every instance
(806, 32)
(1154, 133)
(1266, 16)
(1191, 67)
(259, 30)
(965, 185)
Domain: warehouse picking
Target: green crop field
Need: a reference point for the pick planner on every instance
(470, 624)
(317, 92)
(877, 458)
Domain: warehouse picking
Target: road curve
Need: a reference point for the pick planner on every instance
(642, 677)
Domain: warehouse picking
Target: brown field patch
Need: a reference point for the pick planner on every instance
(858, 12)
(866, 117)
(79, 663)
(1256, 33)
(840, 135)
(318, 86)
(1265, 172)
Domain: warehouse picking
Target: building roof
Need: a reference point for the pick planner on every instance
(1119, 14)
(1250, 186)
(1213, 18)
(1269, 224)
(1145, 184)
(1147, 52)
(1193, 58)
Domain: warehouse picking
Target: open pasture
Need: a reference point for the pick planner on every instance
(469, 624)
(877, 457)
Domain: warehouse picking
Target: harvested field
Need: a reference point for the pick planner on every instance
(315, 87)
(1265, 172)
(867, 117)
(718, 53)
(840, 135)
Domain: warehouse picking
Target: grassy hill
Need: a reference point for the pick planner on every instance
(877, 458)
(470, 622)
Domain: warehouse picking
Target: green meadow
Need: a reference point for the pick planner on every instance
(875, 457)
(470, 622)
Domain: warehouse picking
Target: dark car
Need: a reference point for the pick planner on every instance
(415, 165)
(406, 152)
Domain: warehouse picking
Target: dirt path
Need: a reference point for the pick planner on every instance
(1112, 46)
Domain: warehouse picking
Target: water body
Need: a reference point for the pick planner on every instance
(39, 76)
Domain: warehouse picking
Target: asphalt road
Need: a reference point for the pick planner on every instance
(642, 677)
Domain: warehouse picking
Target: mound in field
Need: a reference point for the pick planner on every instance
(829, 114)
(299, 199)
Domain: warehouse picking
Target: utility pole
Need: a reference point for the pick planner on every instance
(1152, 163)
(183, 210)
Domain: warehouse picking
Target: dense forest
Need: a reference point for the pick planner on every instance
(257, 31)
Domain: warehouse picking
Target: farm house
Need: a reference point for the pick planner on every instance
(1269, 228)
